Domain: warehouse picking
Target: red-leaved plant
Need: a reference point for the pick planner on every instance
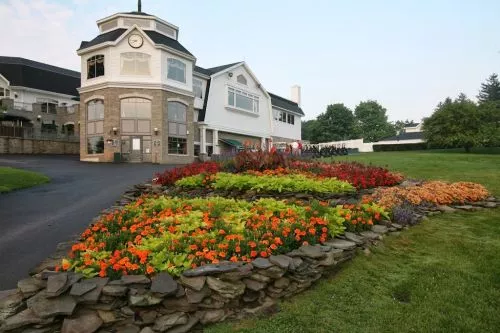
(169, 177)
(359, 175)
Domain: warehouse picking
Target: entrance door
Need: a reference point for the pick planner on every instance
(135, 149)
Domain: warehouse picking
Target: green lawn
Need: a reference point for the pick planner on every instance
(440, 276)
(13, 179)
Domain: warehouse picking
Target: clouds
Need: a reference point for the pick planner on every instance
(39, 30)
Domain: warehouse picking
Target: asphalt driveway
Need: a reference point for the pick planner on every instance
(33, 221)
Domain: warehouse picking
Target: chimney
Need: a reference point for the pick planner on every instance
(296, 94)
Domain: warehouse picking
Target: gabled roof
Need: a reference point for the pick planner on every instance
(213, 70)
(109, 36)
(286, 104)
(156, 37)
(167, 41)
(412, 124)
(36, 75)
(405, 136)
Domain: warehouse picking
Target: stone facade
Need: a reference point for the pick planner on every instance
(37, 146)
(112, 140)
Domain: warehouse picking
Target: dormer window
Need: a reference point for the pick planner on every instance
(95, 66)
(241, 79)
(176, 70)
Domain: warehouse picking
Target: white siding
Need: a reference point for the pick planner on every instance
(219, 116)
(286, 130)
(28, 97)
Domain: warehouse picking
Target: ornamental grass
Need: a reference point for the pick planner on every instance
(173, 235)
(432, 192)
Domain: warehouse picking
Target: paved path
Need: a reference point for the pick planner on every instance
(33, 221)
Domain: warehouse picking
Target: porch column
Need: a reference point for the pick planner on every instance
(203, 140)
(215, 142)
(263, 143)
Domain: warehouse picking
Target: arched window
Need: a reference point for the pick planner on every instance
(177, 128)
(95, 66)
(95, 127)
(241, 79)
(136, 116)
(135, 63)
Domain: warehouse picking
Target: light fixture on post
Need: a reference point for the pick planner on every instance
(155, 130)
(39, 117)
(115, 130)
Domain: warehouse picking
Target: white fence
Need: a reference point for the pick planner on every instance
(365, 147)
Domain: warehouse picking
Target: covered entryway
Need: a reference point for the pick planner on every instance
(132, 148)
(135, 127)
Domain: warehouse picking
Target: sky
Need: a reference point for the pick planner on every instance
(407, 55)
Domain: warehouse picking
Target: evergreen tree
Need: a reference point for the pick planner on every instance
(490, 90)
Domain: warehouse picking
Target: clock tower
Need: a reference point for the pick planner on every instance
(136, 92)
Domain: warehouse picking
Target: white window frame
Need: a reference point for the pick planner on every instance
(236, 91)
(137, 57)
(198, 84)
(180, 64)
(241, 79)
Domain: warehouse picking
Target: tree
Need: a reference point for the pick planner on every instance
(489, 110)
(335, 124)
(490, 90)
(400, 125)
(372, 121)
(307, 129)
(455, 123)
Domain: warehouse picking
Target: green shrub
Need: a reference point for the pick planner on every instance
(267, 183)
(401, 147)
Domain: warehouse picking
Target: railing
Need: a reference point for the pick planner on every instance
(23, 106)
(31, 133)
(13, 131)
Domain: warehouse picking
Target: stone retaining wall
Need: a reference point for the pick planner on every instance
(65, 302)
(9, 145)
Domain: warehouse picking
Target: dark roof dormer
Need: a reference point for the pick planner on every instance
(161, 33)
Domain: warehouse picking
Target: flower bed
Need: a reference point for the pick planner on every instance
(172, 234)
(169, 177)
(432, 192)
(359, 175)
(267, 183)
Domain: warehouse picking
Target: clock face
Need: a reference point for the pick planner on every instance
(135, 40)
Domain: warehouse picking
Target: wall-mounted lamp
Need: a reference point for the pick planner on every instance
(115, 130)
(230, 74)
(155, 130)
(39, 117)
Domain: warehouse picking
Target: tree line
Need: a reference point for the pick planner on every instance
(455, 123)
(368, 121)
(463, 123)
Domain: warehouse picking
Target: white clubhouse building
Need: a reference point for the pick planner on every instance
(142, 97)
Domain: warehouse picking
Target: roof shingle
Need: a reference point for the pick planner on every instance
(213, 70)
(286, 104)
(156, 37)
(32, 74)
